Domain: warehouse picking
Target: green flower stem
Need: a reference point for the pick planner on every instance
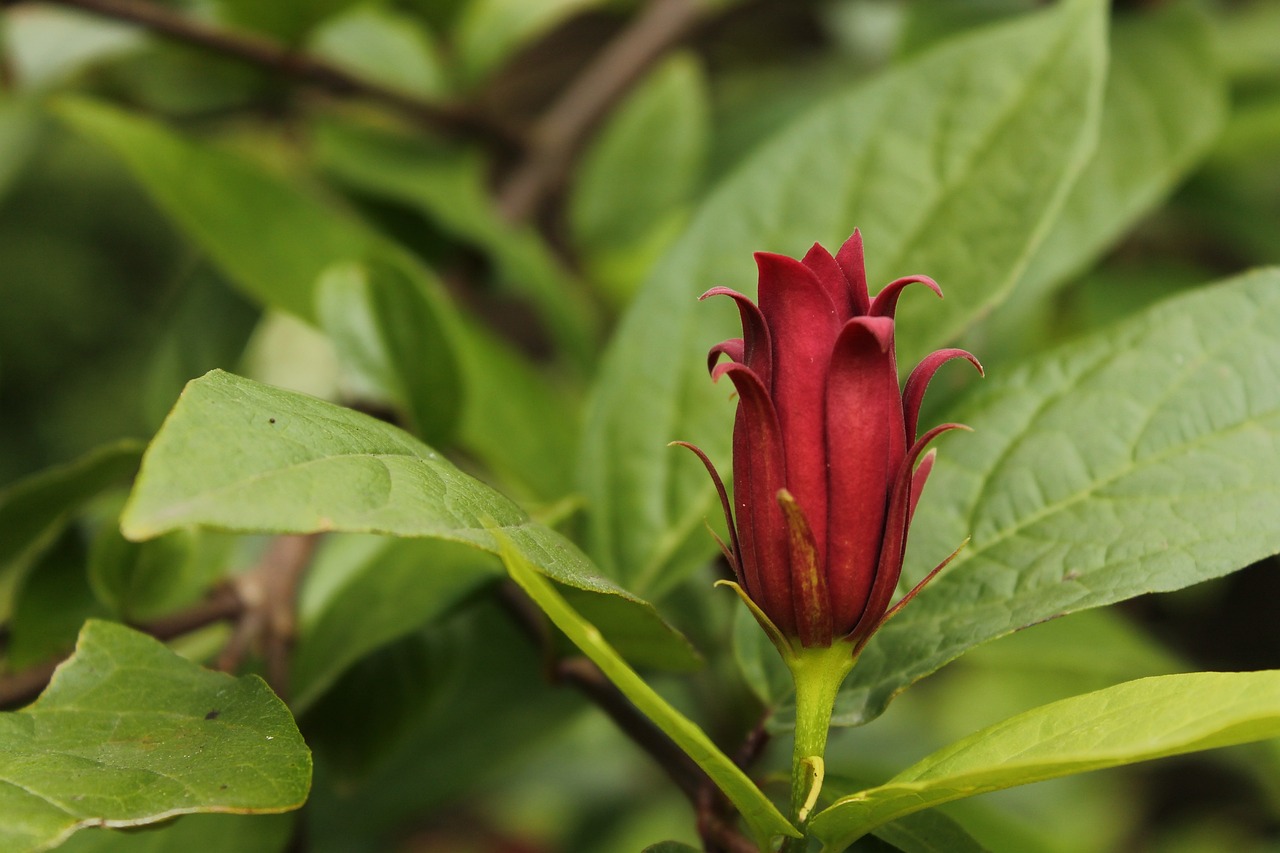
(818, 674)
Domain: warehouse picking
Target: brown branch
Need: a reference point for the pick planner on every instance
(560, 134)
(269, 54)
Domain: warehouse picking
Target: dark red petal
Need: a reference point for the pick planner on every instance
(864, 449)
(759, 472)
(824, 266)
(918, 381)
(731, 554)
(886, 301)
(889, 566)
(808, 584)
(851, 261)
(757, 348)
(918, 480)
(902, 602)
(804, 325)
(735, 348)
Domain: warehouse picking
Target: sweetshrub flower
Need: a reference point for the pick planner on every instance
(825, 446)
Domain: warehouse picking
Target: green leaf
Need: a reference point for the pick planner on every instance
(670, 847)
(761, 815)
(241, 456)
(489, 30)
(383, 46)
(270, 238)
(33, 511)
(144, 580)
(363, 592)
(1143, 459)
(449, 186)
(128, 733)
(952, 165)
(640, 174)
(288, 20)
(1165, 103)
(212, 833)
(384, 325)
(1135, 721)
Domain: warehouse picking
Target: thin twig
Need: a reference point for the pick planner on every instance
(269, 54)
(559, 135)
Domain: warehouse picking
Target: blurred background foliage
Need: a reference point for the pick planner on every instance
(109, 308)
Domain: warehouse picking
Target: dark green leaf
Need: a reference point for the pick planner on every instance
(212, 833)
(1142, 459)
(128, 733)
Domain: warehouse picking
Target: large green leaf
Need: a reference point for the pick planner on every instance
(953, 165)
(1165, 103)
(1135, 721)
(128, 733)
(761, 815)
(241, 456)
(1142, 459)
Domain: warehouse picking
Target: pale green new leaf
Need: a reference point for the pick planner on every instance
(1142, 459)
(1135, 721)
(953, 165)
(383, 46)
(761, 814)
(128, 733)
(241, 456)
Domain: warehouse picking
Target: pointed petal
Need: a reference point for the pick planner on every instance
(918, 381)
(886, 301)
(757, 348)
(732, 555)
(851, 260)
(735, 348)
(902, 602)
(804, 326)
(808, 584)
(759, 471)
(892, 549)
(828, 271)
(918, 480)
(864, 447)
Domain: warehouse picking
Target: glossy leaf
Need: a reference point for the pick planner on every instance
(237, 455)
(1142, 459)
(934, 161)
(761, 815)
(1135, 721)
(128, 733)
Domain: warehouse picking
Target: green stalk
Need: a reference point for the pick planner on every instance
(818, 674)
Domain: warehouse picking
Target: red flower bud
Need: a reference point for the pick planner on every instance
(824, 445)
